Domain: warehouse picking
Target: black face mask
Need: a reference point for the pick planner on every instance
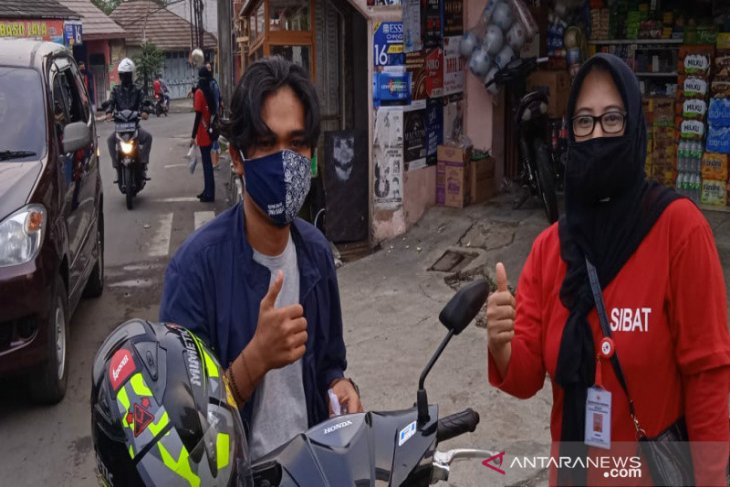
(126, 78)
(601, 168)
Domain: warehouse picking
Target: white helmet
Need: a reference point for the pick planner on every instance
(126, 65)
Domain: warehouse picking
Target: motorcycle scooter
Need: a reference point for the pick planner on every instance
(536, 170)
(385, 448)
(161, 105)
(131, 173)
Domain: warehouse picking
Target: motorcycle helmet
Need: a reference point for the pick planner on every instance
(162, 412)
(126, 65)
(479, 62)
(469, 42)
(493, 40)
(502, 16)
(516, 36)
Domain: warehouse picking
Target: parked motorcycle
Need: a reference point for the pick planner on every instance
(537, 174)
(162, 106)
(391, 448)
(131, 173)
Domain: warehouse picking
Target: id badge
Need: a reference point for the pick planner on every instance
(598, 418)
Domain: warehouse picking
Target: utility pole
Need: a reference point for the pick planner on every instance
(225, 52)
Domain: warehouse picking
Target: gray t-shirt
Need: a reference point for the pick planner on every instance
(280, 406)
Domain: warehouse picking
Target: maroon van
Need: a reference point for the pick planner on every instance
(51, 220)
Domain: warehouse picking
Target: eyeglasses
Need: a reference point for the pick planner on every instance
(611, 123)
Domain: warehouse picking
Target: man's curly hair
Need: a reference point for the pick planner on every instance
(264, 77)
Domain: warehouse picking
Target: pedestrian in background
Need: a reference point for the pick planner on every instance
(204, 106)
(216, 150)
(663, 287)
(89, 83)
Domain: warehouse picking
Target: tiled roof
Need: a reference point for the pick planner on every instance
(96, 24)
(167, 30)
(35, 9)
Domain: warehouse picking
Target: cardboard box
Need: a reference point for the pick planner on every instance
(714, 166)
(557, 86)
(453, 175)
(483, 181)
(714, 193)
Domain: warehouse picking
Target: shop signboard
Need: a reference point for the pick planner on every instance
(434, 128)
(432, 26)
(392, 87)
(434, 67)
(453, 66)
(414, 135)
(453, 19)
(453, 120)
(412, 26)
(415, 64)
(72, 33)
(45, 30)
(388, 44)
(427, 76)
(388, 158)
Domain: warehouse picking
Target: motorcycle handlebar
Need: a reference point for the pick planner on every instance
(457, 424)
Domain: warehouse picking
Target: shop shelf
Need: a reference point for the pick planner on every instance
(656, 75)
(637, 41)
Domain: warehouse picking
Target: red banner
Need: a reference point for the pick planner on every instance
(47, 30)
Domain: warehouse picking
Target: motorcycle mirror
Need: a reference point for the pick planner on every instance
(464, 306)
(456, 315)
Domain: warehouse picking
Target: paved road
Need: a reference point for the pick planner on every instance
(52, 445)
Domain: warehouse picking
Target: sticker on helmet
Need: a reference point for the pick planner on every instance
(122, 366)
(141, 417)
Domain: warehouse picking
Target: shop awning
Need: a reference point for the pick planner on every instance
(35, 9)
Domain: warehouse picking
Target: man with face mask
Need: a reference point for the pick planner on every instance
(258, 284)
(127, 96)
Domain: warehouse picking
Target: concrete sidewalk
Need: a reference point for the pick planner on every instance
(391, 301)
(181, 105)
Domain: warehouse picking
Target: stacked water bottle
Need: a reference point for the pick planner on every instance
(689, 157)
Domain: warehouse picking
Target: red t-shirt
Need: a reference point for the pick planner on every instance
(157, 86)
(201, 105)
(667, 309)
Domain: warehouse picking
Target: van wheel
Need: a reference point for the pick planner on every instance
(48, 383)
(95, 285)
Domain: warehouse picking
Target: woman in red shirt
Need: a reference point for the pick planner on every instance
(662, 285)
(204, 106)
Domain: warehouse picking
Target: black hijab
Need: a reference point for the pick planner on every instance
(609, 209)
(204, 78)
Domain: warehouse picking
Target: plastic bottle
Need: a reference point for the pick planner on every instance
(696, 188)
(679, 182)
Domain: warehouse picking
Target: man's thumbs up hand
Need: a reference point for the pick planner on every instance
(281, 333)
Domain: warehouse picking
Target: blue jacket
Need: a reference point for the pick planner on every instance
(213, 287)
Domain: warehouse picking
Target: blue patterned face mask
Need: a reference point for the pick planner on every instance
(278, 184)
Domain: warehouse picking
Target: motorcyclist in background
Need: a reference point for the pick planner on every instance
(127, 96)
